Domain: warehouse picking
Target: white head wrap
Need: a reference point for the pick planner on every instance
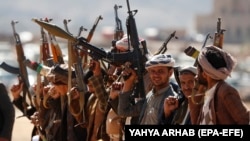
(221, 73)
(122, 44)
(160, 60)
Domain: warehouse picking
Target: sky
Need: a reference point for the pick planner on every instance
(151, 13)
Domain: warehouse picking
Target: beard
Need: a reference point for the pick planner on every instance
(202, 81)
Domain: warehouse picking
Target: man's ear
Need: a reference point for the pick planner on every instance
(170, 72)
(204, 75)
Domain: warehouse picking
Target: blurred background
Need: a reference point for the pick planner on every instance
(192, 20)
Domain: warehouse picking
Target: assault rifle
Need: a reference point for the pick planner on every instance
(88, 39)
(23, 70)
(219, 35)
(91, 32)
(118, 28)
(164, 48)
(118, 34)
(138, 61)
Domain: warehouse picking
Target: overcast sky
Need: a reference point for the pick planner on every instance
(151, 13)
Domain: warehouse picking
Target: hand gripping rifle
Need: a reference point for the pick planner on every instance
(164, 48)
(138, 61)
(23, 70)
(219, 35)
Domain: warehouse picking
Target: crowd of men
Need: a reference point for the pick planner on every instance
(64, 109)
(201, 97)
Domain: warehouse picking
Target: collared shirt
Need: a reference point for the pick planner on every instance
(209, 94)
(151, 113)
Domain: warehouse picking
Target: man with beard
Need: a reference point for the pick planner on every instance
(180, 109)
(221, 103)
(149, 109)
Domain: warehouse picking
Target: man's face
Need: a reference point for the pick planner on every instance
(187, 81)
(90, 88)
(160, 76)
(56, 91)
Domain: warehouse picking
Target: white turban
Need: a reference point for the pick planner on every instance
(220, 73)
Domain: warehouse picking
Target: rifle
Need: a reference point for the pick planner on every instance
(91, 32)
(219, 35)
(139, 62)
(23, 70)
(164, 48)
(118, 34)
(89, 37)
(118, 28)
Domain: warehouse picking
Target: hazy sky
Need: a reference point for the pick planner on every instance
(151, 13)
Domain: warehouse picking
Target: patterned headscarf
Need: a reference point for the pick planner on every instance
(217, 74)
(160, 60)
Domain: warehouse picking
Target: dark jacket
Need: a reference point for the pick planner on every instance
(7, 114)
(226, 107)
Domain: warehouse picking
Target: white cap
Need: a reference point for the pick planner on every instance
(122, 44)
(192, 69)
